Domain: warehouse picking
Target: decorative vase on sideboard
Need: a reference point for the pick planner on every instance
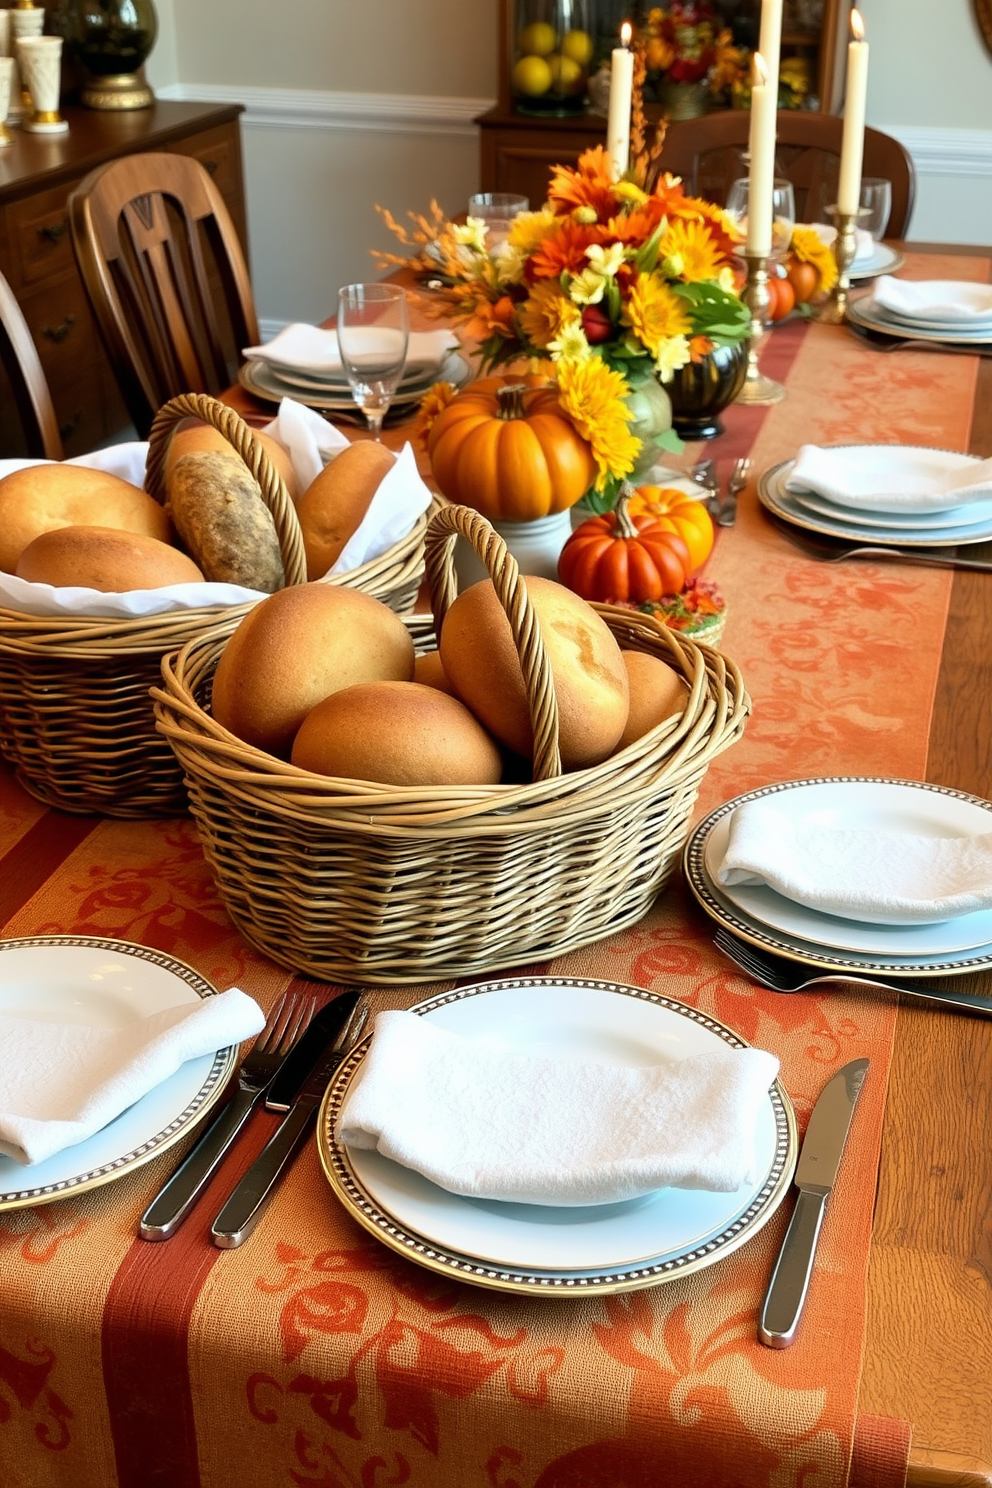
(112, 40)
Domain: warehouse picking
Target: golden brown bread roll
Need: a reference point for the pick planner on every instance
(104, 558)
(396, 733)
(657, 691)
(294, 649)
(589, 675)
(219, 512)
(191, 436)
(332, 507)
(39, 498)
(428, 669)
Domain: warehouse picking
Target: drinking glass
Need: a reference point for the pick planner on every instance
(783, 211)
(373, 331)
(497, 210)
(876, 205)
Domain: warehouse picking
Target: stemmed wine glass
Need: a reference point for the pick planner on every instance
(373, 330)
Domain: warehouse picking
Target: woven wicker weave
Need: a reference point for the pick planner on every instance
(349, 881)
(75, 717)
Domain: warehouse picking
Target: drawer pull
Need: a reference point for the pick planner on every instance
(58, 333)
(54, 231)
(71, 425)
(211, 166)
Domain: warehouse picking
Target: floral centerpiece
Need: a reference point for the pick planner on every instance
(614, 285)
(687, 55)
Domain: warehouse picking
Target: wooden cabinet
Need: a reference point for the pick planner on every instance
(36, 177)
(517, 150)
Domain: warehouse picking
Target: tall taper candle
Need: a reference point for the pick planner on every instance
(761, 145)
(621, 95)
(770, 42)
(853, 139)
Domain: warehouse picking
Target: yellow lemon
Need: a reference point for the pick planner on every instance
(538, 39)
(532, 77)
(578, 46)
(566, 75)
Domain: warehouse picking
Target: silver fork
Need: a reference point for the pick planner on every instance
(779, 975)
(727, 515)
(166, 1212)
(830, 554)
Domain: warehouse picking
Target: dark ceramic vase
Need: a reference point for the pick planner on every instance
(701, 390)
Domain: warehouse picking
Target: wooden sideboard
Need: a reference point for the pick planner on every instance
(36, 177)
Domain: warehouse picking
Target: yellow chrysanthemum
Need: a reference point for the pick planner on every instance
(592, 395)
(693, 245)
(530, 228)
(656, 313)
(809, 247)
(546, 313)
(434, 401)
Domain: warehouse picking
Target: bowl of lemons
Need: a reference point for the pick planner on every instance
(553, 55)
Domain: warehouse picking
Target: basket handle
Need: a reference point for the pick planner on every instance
(462, 521)
(241, 437)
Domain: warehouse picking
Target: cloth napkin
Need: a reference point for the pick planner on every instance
(891, 477)
(951, 302)
(60, 1083)
(494, 1124)
(864, 243)
(308, 348)
(858, 873)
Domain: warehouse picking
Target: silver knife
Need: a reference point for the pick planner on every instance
(816, 1173)
(704, 474)
(241, 1213)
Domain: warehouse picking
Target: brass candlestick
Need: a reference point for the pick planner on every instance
(758, 389)
(834, 308)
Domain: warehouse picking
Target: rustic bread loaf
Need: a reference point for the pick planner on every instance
(332, 507)
(657, 691)
(192, 435)
(218, 511)
(104, 558)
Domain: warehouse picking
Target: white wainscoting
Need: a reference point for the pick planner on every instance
(317, 164)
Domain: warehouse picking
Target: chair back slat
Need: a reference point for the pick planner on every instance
(26, 375)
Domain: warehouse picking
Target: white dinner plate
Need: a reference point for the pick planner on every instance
(881, 260)
(973, 301)
(954, 330)
(259, 379)
(522, 1247)
(978, 513)
(864, 313)
(106, 984)
(417, 379)
(809, 947)
(774, 495)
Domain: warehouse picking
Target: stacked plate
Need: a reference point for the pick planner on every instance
(948, 311)
(303, 363)
(887, 495)
(528, 1248)
(871, 257)
(764, 917)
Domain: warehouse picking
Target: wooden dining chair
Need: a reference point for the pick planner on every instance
(26, 376)
(166, 277)
(708, 154)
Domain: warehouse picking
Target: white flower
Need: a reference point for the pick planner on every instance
(605, 261)
(510, 264)
(570, 343)
(672, 354)
(471, 233)
(586, 288)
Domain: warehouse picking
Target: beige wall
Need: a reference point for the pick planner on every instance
(928, 65)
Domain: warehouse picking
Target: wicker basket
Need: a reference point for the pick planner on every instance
(348, 881)
(75, 717)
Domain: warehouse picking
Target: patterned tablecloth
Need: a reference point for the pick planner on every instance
(313, 1355)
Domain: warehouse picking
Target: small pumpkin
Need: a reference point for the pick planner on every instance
(623, 557)
(505, 447)
(681, 513)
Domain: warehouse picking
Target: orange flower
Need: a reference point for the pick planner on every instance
(638, 225)
(699, 348)
(493, 319)
(589, 184)
(434, 401)
(564, 250)
(694, 209)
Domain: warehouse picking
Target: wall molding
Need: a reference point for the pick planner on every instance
(370, 113)
(945, 152)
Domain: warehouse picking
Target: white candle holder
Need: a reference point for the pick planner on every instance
(14, 107)
(6, 73)
(41, 63)
(25, 20)
(758, 389)
(833, 311)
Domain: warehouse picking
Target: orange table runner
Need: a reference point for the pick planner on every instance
(313, 1355)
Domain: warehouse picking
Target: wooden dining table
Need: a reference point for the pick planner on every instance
(113, 1370)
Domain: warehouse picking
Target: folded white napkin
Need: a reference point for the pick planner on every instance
(858, 873)
(311, 441)
(495, 1124)
(948, 301)
(864, 243)
(308, 348)
(60, 1083)
(891, 477)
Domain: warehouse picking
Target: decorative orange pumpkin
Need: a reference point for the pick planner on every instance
(619, 556)
(680, 513)
(504, 447)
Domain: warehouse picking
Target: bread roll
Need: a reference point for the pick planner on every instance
(219, 512)
(294, 649)
(397, 733)
(428, 670)
(590, 678)
(191, 436)
(39, 498)
(332, 507)
(104, 558)
(657, 691)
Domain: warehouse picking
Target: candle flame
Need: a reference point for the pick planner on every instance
(857, 26)
(626, 32)
(759, 71)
